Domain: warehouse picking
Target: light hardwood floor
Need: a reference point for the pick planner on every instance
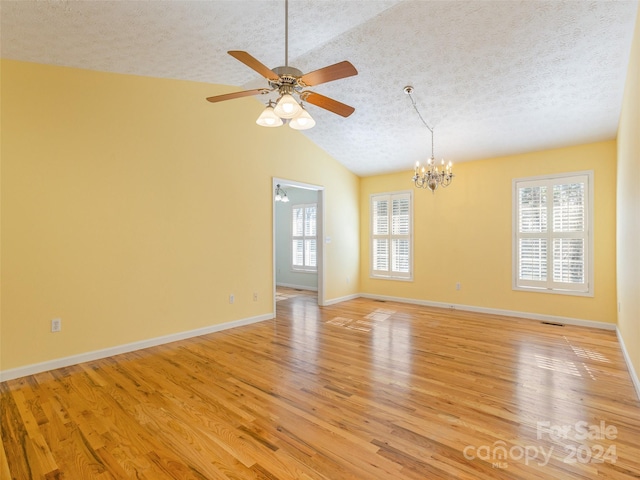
(359, 390)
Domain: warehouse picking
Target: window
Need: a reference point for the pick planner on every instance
(552, 233)
(303, 237)
(391, 235)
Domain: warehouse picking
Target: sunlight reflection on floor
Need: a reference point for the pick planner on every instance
(377, 316)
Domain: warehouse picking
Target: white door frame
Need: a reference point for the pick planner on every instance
(319, 233)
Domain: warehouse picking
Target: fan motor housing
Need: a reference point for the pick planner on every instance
(287, 72)
(288, 81)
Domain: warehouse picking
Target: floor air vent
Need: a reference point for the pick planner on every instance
(554, 324)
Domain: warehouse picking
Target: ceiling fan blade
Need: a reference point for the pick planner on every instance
(230, 96)
(328, 74)
(328, 103)
(254, 64)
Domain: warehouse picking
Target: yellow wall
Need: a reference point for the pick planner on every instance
(132, 208)
(629, 208)
(463, 234)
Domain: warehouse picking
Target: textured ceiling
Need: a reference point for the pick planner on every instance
(493, 77)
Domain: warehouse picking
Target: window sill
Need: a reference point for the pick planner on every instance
(572, 293)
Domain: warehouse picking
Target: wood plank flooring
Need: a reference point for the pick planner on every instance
(359, 390)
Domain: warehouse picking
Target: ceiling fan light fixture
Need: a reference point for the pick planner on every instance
(268, 117)
(287, 107)
(286, 81)
(302, 121)
(281, 195)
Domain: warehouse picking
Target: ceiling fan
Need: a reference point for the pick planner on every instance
(289, 81)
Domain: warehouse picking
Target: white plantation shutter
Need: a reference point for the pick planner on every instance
(391, 235)
(310, 221)
(297, 225)
(381, 215)
(533, 209)
(533, 259)
(551, 233)
(381, 254)
(303, 237)
(400, 255)
(380, 247)
(532, 222)
(297, 248)
(569, 226)
(310, 253)
(400, 217)
(568, 260)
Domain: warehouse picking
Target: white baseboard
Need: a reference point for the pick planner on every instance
(627, 359)
(297, 287)
(129, 347)
(333, 301)
(497, 311)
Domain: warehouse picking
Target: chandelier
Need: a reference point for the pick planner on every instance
(281, 195)
(430, 175)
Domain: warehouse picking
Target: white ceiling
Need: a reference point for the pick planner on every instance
(493, 77)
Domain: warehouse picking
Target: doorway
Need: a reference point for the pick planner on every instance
(285, 273)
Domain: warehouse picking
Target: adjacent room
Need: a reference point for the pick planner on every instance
(320, 239)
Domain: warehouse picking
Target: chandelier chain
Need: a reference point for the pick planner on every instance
(409, 91)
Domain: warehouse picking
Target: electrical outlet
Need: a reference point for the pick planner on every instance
(458, 286)
(56, 325)
(255, 296)
(231, 298)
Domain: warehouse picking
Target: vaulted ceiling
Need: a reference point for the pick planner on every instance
(492, 77)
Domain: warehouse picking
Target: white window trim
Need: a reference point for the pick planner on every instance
(589, 257)
(297, 268)
(391, 275)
